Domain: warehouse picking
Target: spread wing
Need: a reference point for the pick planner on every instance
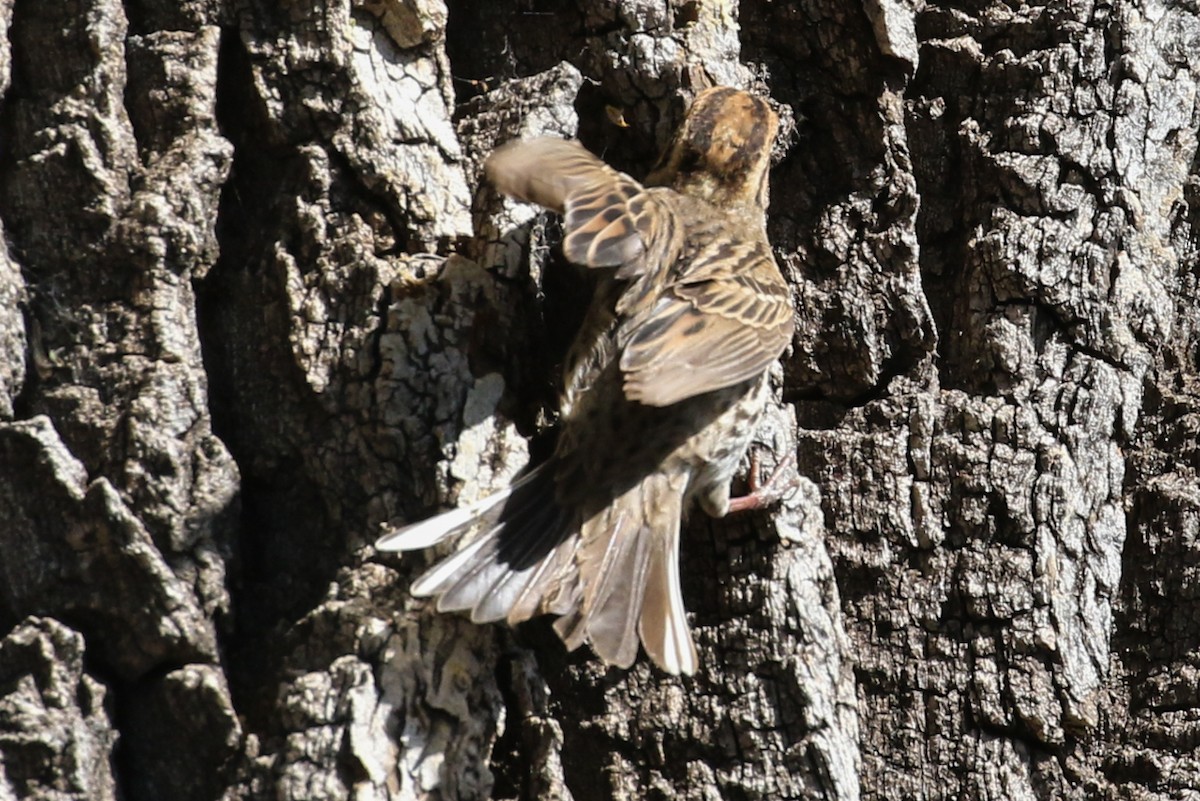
(610, 219)
(723, 320)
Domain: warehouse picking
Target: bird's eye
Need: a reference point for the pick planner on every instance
(690, 160)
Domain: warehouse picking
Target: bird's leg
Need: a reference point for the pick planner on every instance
(777, 488)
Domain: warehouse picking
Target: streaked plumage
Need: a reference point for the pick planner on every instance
(662, 389)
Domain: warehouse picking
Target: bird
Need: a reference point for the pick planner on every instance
(662, 389)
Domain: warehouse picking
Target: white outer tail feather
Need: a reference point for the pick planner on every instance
(429, 532)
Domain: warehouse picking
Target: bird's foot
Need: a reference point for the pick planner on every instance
(781, 484)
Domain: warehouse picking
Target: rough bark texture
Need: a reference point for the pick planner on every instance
(255, 304)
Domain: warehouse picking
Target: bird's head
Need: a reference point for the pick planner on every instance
(722, 151)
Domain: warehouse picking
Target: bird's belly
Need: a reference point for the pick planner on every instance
(716, 450)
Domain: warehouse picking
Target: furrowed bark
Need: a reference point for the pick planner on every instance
(256, 303)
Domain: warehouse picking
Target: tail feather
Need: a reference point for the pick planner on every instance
(467, 580)
(442, 577)
(629, 572)
(663, 622)
(571, 629)
(456, 521)
(615, 602)
(613, 580)
(520, 530)
(508, 572)
(541, 588)
(463, 582)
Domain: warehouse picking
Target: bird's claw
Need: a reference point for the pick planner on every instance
(777, 488)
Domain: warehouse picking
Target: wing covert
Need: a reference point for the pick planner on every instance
(722, 322)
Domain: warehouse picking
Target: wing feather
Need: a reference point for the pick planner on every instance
(723, 321)
(610, 219)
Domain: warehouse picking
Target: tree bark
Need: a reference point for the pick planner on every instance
(256, 304)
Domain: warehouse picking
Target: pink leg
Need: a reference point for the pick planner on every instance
(763, 495)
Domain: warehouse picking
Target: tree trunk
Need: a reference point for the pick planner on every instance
(256, 303)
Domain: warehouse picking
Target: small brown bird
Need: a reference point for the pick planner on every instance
(663, 388)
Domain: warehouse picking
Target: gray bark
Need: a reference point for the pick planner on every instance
(255, 304)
